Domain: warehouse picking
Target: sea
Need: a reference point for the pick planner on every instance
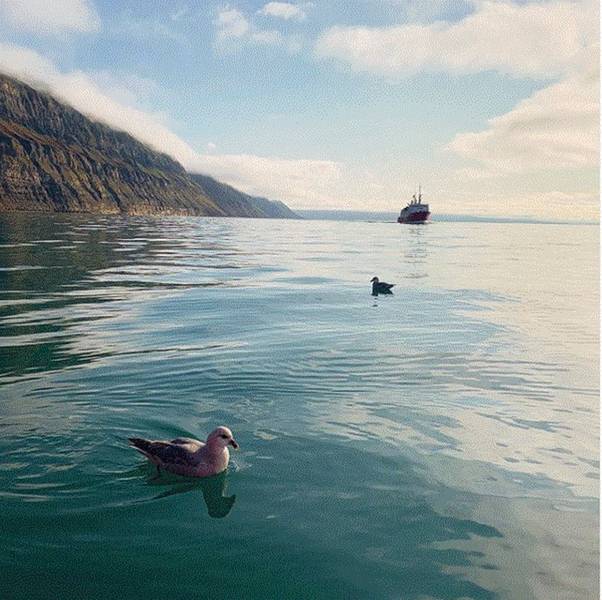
(441, 442)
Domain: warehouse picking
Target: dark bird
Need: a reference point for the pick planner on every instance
(381, 287)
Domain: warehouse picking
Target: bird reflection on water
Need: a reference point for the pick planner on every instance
(213, 489)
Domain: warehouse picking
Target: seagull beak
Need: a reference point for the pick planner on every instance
(234, 444)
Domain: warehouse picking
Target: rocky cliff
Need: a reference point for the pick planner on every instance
(55, 159)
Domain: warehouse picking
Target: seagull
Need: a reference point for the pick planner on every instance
(380, 287)
(189, 457)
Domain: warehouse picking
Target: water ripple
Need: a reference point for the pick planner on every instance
(445, 426)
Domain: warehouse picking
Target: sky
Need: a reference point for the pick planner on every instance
(491, 105)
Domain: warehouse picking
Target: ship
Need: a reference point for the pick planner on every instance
(415, 211)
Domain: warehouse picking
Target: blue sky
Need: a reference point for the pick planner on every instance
(491, 105)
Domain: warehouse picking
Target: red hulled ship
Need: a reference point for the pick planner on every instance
(415, 211)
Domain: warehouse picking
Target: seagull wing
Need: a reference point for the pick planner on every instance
(170, 454)
(164, 452)
(193, 445)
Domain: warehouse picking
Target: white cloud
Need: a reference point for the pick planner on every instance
(42, 16)
(126, 88)
(558, 205)
(538, 40)
(234, 29)
(557, 127)
(302, 181)
(284, 10)
(231, 23)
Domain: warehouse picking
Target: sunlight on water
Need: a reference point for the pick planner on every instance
(441, 442)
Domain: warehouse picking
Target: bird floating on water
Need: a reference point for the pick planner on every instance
(381, 287)
(189, 457)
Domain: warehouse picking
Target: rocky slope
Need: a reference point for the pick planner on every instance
(235, 202)
(54, 159)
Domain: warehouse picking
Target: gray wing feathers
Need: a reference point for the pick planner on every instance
(190, 441)
(172, 454)
(166, 452)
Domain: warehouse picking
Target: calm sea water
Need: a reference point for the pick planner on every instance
(438, 443)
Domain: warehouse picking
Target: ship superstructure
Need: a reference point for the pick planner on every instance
(415, 211)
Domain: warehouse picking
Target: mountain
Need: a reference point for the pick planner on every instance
(55, 159)
(234, 202)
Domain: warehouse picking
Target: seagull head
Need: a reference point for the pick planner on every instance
(222, 437)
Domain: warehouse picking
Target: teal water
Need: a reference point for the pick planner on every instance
(438, 443)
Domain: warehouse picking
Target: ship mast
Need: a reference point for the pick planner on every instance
(419, 193)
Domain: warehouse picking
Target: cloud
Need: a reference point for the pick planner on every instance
(126, 88)
(41, 16)
(554, 204)
(556, 127)
(284, 10)
(539, 40)
(233, 29)
(305, 180)
(231, 23)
